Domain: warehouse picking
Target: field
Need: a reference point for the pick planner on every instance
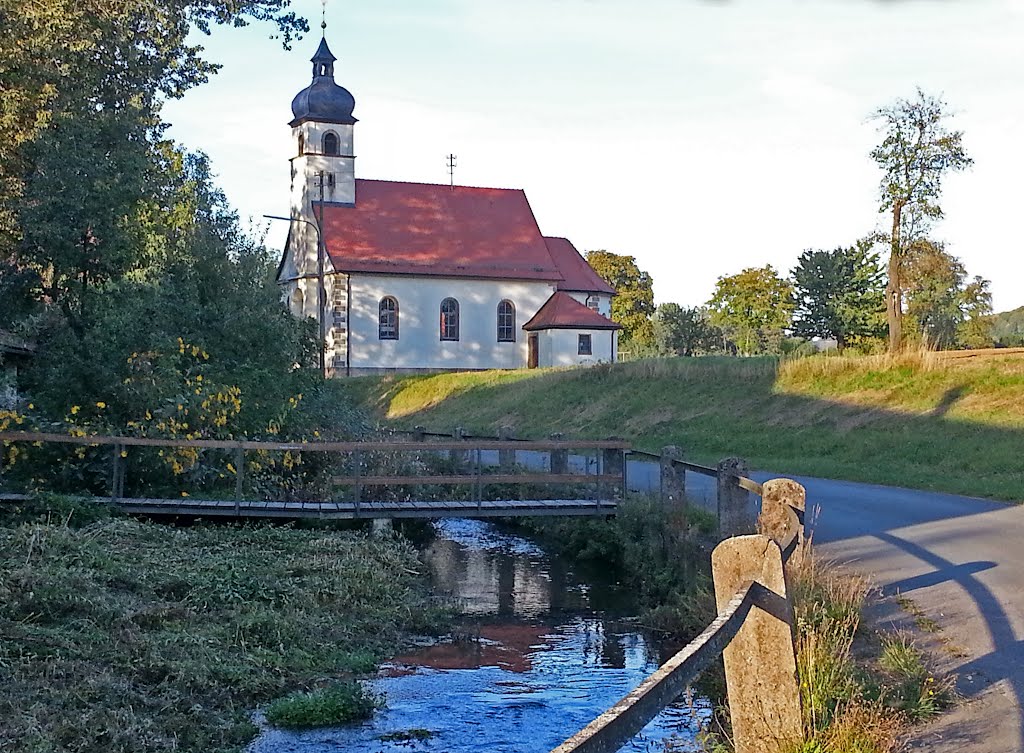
(948, 422)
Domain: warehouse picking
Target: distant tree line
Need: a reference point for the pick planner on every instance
(922, 296)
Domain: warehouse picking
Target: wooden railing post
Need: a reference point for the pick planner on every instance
(117, 474)
(735, 515)
(760, 662)
(615, 465)
(673, 477)
(457, 457)
(559, 458)
(419, 433)
(506, 458)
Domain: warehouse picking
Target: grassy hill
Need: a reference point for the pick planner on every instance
(951, 422)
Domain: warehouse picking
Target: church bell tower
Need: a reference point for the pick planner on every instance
(322, 127)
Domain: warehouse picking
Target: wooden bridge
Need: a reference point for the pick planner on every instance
(367, 491)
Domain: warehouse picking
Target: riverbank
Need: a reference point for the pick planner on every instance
(120, 635)
(945, 422)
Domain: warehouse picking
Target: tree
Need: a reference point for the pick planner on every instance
(203, 329)
(947, 311)
(682, 331)
(839, 294)
(633, 305)
(83, 84)
(916, 152)
(753, 308)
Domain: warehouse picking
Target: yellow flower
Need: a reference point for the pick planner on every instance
(30, 406)
(184, 494)
(101, 405)
(74, 410)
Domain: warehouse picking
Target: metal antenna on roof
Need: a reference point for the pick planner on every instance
(450, 161)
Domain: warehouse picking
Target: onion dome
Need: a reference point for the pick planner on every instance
(323, 100)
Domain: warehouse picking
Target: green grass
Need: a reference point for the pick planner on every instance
(337, 704)
(926, 421)
(130, 636)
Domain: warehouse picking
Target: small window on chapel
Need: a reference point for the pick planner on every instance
(585, 346)
(449, 319)
(302, 144)
(387, 328)
(593, 302)
(506, 322)
(331, 144)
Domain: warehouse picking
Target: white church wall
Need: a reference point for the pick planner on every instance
(560, 347)
(604, 301)
(419, 345)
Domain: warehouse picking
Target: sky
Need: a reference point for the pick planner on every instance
(699, 136)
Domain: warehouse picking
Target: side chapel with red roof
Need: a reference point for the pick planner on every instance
(421, 277)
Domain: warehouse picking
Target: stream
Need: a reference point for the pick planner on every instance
(538, 654)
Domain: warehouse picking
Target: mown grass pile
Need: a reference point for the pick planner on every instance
(933, 421)
(130, 636)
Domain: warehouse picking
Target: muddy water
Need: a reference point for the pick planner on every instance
(542, 651)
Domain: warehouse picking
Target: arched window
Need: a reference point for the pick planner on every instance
(387, 327)
(298, 302)
(449, 319)
(506, 322)
(331, 143)
(302, 144)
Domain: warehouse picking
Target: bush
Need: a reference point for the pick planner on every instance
(338, 704)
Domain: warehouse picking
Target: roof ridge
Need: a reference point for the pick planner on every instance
(440, 185)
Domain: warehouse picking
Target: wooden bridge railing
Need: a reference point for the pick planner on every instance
(753, 632)
(467, 467)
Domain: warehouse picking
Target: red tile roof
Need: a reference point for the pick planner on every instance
(562, 311)
(577, 275)
(427, 229)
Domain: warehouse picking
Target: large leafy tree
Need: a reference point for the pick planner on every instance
(839, 294)
(633, 306)
(916, 153)
(946, 309)
(684, 331)
(80, 130)
(753, 308)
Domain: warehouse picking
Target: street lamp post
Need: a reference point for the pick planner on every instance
(321, 292)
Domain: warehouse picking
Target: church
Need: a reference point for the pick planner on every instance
(415, 277)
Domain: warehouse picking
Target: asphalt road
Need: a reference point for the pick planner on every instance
(959, 559)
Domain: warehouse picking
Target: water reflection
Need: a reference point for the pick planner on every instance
(490, 572)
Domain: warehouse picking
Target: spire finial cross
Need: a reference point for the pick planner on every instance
(323, 18)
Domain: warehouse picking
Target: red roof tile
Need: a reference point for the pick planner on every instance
(577, 275)
(427, 229)
(562, 311)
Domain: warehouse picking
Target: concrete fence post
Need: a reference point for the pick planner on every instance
(673, 477)
(735, 513)
(559, 458)
(760, 662)
(778, 496)
(457, 457)
(506, 458)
